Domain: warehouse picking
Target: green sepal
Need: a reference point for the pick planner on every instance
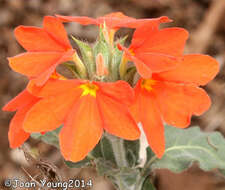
(116, 59)
(129, 77)
(103, 48)
(87, 56)
(72, 68)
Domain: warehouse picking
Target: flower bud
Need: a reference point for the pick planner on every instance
(101, 70)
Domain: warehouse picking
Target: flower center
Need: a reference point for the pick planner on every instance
(132, 52)
(89, 88)
(147, 84)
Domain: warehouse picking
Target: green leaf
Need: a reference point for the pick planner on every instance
(148, 185)
(107, 151)
(50, 137)
(185, 146)
(222, 171)
(105, 167)
(132, 148)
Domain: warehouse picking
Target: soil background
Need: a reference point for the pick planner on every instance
(204, 19)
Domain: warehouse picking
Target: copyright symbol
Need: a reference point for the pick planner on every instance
(7, 183)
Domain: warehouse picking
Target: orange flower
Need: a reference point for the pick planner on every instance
(22, 103)
(85, 108)
(114, 20)
(46, 48)
(154, 50)
(173, 96)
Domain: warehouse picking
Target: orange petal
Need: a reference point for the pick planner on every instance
(80, 19)
(54, 87)
(135, 107)
(169, 41)
(117, 119)
(82, 130)
(198, 69)
(178, 102)
(36, 39)
(114, 20)
(17, 136)
(35, 63)
(56, 29)
(50, 112)
(45, 75)
(19, 101)
(137, 23)
(158, 62)
(120, 91)
(152, 123)
(142, 69)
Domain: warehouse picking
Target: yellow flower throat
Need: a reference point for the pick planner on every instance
(89, 88)
(147, 84)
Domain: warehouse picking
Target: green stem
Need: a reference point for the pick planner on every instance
(147, 166)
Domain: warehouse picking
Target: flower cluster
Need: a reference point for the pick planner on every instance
(102, 97)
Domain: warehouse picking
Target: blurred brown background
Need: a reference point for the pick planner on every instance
(204, 19)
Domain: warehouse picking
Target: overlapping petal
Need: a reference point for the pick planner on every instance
(173, 97)
(116, 118)
(22, 103)
(153, 51)
(195, 68)
(46, 47)
(40, 119)
(152, 123)
(82, 129)
(177, 102)
(114, 20)
(19, 101)
(79, 105)
(119, 90)
(169, 41)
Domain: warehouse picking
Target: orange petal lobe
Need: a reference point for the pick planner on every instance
(169, 41)
(178, 102)
(82, 130)
(50, 112)
(198, 69)
(17, 136)
(19, 101)
(120, 90)
(117, 119)
(36, 39)
(33, 64)
(142, 69)
(54, 87)
(158, 62)
(152, 123)
(56, 29)
(82, 20)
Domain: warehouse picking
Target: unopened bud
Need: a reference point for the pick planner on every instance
(101, 70)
